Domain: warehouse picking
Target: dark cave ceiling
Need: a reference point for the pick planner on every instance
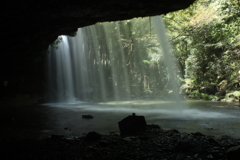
(29, 26)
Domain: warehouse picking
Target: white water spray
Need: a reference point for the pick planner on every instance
(169, 58)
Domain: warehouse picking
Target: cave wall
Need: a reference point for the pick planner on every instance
(28, 27)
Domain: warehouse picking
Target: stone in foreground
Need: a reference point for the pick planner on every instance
(132, 125)
(93, 136)
(233, 153)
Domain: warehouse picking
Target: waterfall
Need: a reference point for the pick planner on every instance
(113, 61)
(169, 58)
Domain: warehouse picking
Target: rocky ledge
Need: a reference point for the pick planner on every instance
(152, 144)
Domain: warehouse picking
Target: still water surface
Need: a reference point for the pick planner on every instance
(211, 118)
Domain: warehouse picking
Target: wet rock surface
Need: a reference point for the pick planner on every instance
(152, 144)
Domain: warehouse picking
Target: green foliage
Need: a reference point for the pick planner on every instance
(148, 91)
(235, 94)
(146, 61)
(206, 41)
(197, 95)
(207, 97)
(56, 42)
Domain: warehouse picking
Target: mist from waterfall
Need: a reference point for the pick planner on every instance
(109, 61)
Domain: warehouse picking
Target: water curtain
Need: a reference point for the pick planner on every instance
(122, 60)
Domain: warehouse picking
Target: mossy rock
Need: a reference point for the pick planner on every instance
(233, 96)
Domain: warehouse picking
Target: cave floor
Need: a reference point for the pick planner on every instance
(26, 133)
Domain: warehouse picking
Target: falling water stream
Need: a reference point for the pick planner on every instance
(113, 61)
(125, 67)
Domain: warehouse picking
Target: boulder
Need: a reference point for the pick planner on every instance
(93, 136)
(185, 89)
(188, 145)
(132, 125)
(233, 153)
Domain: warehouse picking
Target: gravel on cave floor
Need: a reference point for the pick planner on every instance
(153, 144)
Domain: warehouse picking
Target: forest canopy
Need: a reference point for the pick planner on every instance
(206, 41)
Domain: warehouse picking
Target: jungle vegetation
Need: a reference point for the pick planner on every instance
(206, 42)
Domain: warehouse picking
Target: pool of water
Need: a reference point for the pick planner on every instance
(211, 118)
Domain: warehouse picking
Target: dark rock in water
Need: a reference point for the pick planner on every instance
(67, 129)
(188, 145)
(233, 153)
(87, 116)
(93, 136)
(131, 125)
(209, 128)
